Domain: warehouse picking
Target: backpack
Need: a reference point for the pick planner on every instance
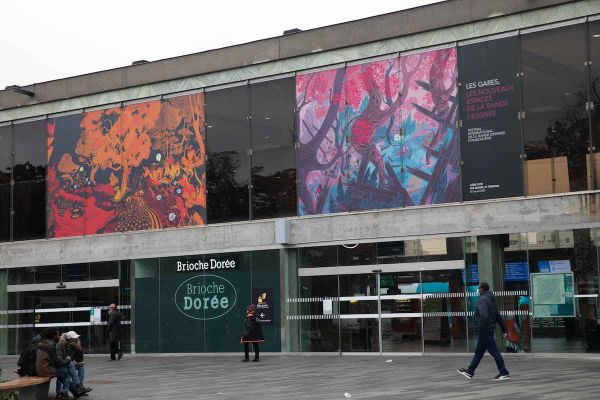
(26, 361)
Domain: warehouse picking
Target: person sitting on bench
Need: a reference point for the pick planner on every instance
(67, 347)
(48, 364)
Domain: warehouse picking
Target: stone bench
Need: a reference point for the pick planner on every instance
(30, 387)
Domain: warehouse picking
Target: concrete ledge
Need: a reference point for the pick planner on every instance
(531, 214)
(420, 19)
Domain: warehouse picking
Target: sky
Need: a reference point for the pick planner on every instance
(42, 40)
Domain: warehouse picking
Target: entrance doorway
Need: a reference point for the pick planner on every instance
(390, 308)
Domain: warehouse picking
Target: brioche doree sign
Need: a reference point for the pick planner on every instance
(200, 265)
(205, 296)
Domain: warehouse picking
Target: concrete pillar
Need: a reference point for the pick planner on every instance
(289, 289)
(3, 307)
(490, 259)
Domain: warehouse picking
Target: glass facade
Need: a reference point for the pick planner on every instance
(197, 303)
(36, 299)
(420, 295)
(500, 118)
(555, 93)
(414, 296)
(325, 141)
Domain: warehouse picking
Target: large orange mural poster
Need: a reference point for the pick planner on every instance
(137, 167)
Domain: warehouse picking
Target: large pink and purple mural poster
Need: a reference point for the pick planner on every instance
(375, 152)
(430, 136)
(322, 186)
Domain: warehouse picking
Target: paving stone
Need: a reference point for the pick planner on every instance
(329, 377)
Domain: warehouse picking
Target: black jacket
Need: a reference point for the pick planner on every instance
(114, 326)
(486, 314)
(252, 330)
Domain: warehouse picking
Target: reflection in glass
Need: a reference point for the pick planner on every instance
(444, 324)
(319, 334)
(594, 40)
(322, 256)
(360, 334)
(358, 285)
(6, 145)
(4, 212)
(30, 151)
(30, 210)
(273, 153)
(21, 276)
(105, 270)
(228, 165)
(400, 312)
(361, 254)
(75, 272)
(48, 274)
(554, 95)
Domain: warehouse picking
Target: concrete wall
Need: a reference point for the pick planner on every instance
(421, 19)
(533, 214)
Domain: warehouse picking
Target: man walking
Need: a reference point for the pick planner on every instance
(114, 332)
(486, 316)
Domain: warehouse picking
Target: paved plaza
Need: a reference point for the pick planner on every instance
(328, 377)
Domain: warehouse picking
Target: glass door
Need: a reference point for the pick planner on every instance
(359, 313)
(401, 312)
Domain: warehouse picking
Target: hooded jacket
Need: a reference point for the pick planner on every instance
(487, 315)
(47, 361)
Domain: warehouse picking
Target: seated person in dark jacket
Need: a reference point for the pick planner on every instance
(67, 347)
(49, 364)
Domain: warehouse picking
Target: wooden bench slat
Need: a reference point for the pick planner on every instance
(23, 382)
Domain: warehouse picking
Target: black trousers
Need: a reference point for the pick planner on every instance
(247, 350)
(486, 341)
(114, 350)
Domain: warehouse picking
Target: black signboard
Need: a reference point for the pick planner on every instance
(263, 298)
(491, 144)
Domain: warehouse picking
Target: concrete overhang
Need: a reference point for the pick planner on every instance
(531, 214)
(421, 19)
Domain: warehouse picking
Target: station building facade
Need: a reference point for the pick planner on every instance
(355, 182)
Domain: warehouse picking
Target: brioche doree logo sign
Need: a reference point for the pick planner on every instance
(205, 297)
(211, 264)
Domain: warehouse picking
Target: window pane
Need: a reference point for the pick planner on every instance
(322, 171)
(375, 153)
(323, 256)
(563, 251)
(30, 210)
(273, 158)
(594, 41)
(48, 274)
(68, 183)
(21, 276)
(554, 96)
(4, 212)
(318, 334)
(75, 272)
(104, 270)
(362, 254)
(228, 167)
(6, 146)
(30, 151)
